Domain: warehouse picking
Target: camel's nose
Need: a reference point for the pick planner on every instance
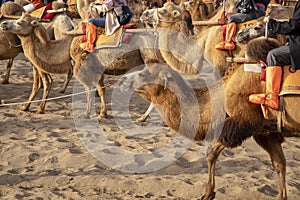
(3, 26)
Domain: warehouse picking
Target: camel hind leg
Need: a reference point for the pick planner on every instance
(272, 144)
(101, 92)
(47, 83)
(67, 80)
(8, 68)
(212, 158)
(36, 86)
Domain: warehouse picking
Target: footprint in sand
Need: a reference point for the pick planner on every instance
(32, 157)
(268, 190)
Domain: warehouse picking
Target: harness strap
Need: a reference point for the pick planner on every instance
(281, 114)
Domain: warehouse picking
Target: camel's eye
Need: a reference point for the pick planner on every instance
(19, 22)
(162, 11)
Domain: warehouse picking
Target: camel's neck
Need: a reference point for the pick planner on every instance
(48, 56)
(194, 117)
(181, 52)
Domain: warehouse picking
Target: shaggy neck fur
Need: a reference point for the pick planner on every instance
(181, 115)
(49, 56)
(175, 51)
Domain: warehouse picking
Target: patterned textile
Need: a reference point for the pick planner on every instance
(114, 3)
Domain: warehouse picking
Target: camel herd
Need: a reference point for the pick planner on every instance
(179, 49)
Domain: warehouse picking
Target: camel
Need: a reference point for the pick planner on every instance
(89, 69)
(180, 105)
(35, 48)
(33, 35)
(12, 45)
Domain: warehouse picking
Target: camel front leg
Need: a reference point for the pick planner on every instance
(146, 114)
(101, 92)
(272, 144)
(36, 86)
(87, 113)
(212, 158)
(8, 68)
(47, 83)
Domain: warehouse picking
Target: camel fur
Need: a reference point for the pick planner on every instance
(10, 43)
(36, 41)
(90, 68)
(242, 120)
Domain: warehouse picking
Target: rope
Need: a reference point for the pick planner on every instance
(10, 43)
(54, 98)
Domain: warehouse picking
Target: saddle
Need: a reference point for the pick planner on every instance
(290, 83)
(46, 13)
(290, 86)
(112, 41)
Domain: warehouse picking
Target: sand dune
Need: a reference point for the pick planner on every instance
(45, 156)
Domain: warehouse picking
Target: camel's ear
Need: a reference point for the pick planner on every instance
(34, 23)
(175, 13)
(166, 77)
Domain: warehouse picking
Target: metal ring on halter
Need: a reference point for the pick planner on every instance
(292, 70)
(266, 30)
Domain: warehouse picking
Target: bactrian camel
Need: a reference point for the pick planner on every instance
(40, 51)
(88, 70)
(180, 105)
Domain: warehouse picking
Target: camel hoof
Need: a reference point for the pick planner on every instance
(62, 90)
(211, 196)
(141, 119)
(39, 112)
(84, 116)
(5, 82)
(23, 108)
(101, 116)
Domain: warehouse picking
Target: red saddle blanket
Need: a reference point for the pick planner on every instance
(41, 13)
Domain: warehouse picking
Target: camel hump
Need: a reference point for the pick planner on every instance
(291, 82)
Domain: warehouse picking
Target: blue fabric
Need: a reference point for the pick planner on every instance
(98, 21)
(243, 17)
(4, 1)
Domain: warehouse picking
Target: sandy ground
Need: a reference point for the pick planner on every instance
(46, 156)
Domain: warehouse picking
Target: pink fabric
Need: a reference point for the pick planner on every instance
(114, 3)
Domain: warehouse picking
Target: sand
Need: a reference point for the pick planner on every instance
(47, 156)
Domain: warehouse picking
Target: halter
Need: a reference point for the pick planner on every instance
(10, 43)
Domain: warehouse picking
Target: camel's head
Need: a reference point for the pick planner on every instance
(250, 32)
(22, 26)
(155, 81)
(168, 14)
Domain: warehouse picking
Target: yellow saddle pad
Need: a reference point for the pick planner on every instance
(247, 23)
(291, 82)
(38, 13)
(114, 40)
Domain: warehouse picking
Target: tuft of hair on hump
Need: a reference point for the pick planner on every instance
(258, 49)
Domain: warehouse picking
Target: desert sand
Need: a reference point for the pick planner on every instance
(45, 156)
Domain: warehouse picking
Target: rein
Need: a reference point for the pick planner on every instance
(10, 43)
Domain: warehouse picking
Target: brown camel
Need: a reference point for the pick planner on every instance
(89, 69)
(36, 41)
(10, 43)
(174, 100)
